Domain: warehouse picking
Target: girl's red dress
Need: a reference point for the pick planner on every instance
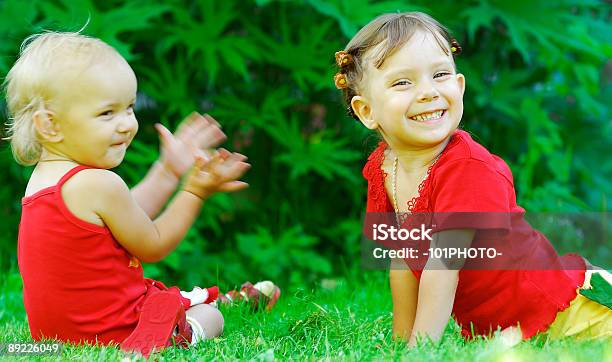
(79, 284)
(467, 178)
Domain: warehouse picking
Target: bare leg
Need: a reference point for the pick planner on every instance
(208, 317)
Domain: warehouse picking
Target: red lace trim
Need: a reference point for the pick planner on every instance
(377, 176)
(376, 179)
(420, 203)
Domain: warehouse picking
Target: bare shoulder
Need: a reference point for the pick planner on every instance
(96, 182)
(90, 190)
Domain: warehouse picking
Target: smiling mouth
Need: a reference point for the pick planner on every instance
(428, 116)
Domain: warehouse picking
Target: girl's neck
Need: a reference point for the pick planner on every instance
(415, 160)
(49, 156)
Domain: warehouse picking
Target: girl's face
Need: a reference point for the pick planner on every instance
(415, 98)
(96, 116)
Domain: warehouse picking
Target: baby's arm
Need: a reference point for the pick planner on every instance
(152, 193)
(176, 157)
(438, 285)
(404, 292)
(151, 241)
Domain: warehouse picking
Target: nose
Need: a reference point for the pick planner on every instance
(128, 123)
(428, 92)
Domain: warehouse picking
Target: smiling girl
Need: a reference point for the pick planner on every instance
(399, 79)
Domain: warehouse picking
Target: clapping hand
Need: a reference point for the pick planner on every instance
(217, 174)
(196, 134)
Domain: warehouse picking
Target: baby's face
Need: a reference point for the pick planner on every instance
(415, 97)
(95, 114)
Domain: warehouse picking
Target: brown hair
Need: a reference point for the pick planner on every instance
(391, 32)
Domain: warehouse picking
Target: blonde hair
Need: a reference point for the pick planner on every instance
(386, 34)
(36, 78)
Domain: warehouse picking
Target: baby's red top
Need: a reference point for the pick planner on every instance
(79, 284)
(468, 179)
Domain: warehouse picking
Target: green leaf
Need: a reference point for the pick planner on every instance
(205, 32)
(321, 153)
(170, 83)
(307, 56)
(262, 114)
(600, 291)
(525, 21)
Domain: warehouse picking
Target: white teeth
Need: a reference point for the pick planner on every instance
(427, 116)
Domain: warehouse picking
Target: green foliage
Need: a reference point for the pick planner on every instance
(106, 23)
(537, 94)
(204, 31)
(292, 251)
(352, 15)
(17, 19)
(11, 300)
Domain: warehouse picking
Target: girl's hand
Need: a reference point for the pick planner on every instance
(195, 134)
(218, 174)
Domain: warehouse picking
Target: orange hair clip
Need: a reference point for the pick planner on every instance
(343, 58)
(340, 80)
(455, 47)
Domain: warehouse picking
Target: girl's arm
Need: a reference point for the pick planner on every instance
(176, 157)
(151, 241)
(438, 285)
(404, 292)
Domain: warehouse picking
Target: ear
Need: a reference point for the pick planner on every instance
(363, 110)
(47, 126)
(461, 82)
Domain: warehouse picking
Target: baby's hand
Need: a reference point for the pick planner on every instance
(218, 174)
(195, 134)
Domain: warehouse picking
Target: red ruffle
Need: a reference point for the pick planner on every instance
(372, 171)
(376, 176)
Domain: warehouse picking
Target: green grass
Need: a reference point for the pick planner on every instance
(342, 319)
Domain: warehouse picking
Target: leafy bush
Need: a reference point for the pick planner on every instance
(536, 95)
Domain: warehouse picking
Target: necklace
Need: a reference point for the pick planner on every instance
(393, 186)
(56, 159)
(394, 183)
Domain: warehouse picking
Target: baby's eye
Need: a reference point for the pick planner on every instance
(131, 107)
(441, 74)
(105, 113)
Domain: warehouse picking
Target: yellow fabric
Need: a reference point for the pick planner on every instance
(584, 318)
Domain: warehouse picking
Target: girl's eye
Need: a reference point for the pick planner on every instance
(441, 74)
(402, 82)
